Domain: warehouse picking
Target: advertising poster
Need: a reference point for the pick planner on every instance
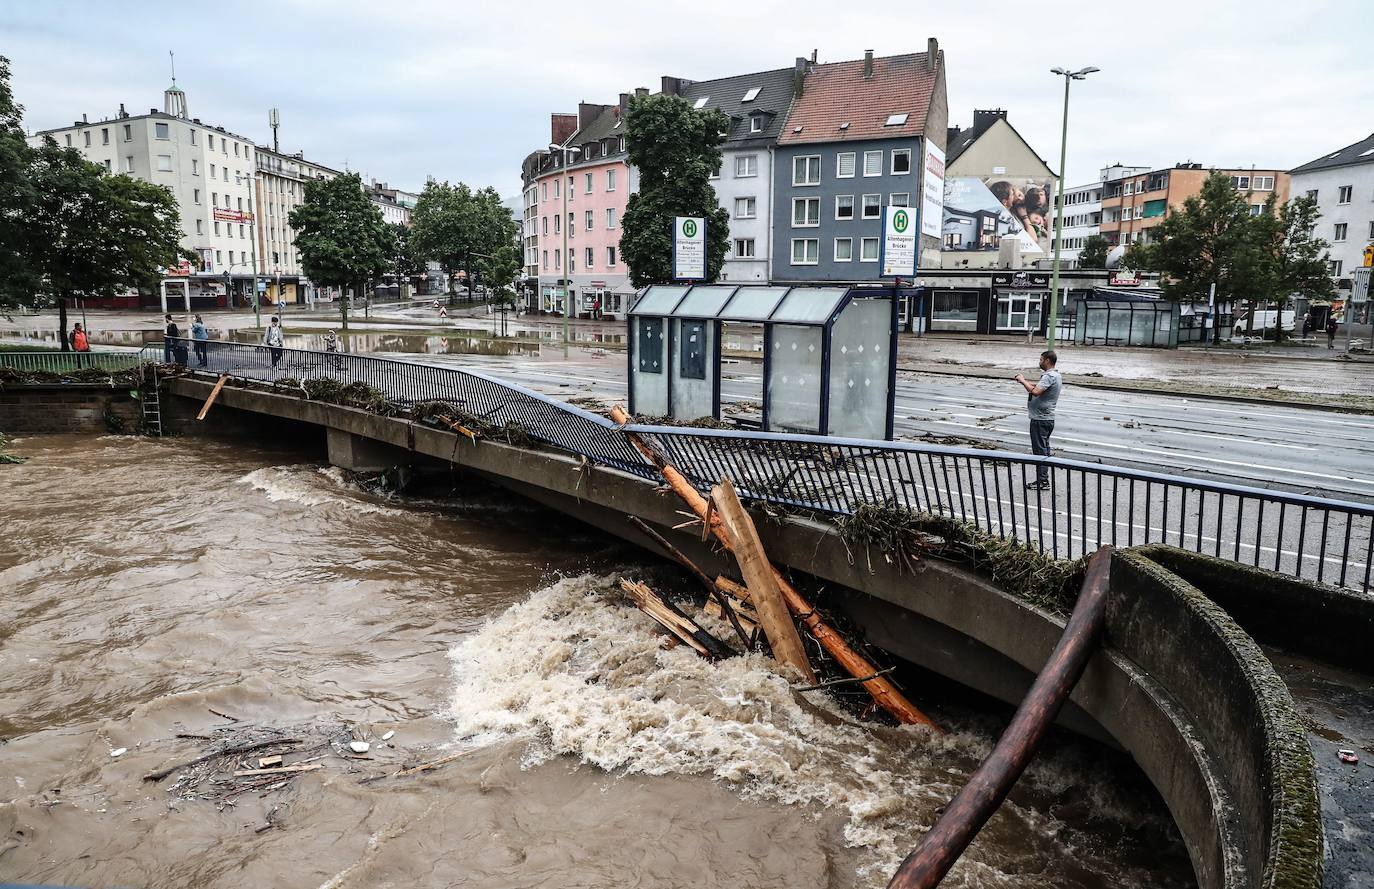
(933, 191)
(979, 213)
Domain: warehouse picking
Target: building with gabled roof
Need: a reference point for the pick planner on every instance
(1342, 181)
(860, 136)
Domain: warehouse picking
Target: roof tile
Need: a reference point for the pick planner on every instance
(838, 93)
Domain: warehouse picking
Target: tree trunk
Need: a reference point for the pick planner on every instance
(62, 323)
(467, 272)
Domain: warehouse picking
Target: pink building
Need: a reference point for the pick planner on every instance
(580, 194)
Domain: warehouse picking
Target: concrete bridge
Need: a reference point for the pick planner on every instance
(1208, 575)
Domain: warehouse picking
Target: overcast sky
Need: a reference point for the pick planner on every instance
(462, 91)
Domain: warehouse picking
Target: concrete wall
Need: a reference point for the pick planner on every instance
(67, 407)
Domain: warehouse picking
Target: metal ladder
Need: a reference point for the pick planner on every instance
(152, 406)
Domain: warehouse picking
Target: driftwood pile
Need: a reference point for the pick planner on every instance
(765, 606)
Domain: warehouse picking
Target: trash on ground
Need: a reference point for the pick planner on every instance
(1349, 756)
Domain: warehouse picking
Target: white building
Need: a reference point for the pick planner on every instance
(396, 205)
(1083, 211)
(280, 189)
(1343, 183)
(208, 170)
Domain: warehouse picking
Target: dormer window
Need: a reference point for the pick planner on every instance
(756, 123)
(701, 103)
(752, 94)
(896, 120)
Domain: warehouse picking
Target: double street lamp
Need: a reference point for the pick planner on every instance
(1080, 74)
(565, 275)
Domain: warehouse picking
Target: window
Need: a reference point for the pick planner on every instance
(844, 249)
(752, 94)
(806, 212)
(164, 163)
(109, 168)
(756, 123)
(558, 259)
(701, 103)
(868, 250)
(1312, 194)
(873, 206)
(1371, 231)
(128, 133)
(587, 184)
(544, 188)
(1343, 194)
(87, 136)
(746, 165)
(610, 180)
(128, 163)
(546, 259)
(240, 203)
(744, 248)
(210, 144)
(844, 206)
(1242, 183)
(555, 187)
(844, 165)
(1129, 187)
(195, 167)
(161, 130)
(193, 136)
(217, 227)
(68, 138)
(1256, 209)
(806, 251)
(546, 225)
(241, 231)
(610, 257)
(899, 199)
(590, 258)
(587, 221)
(873, 163)
(195, 195)
(572, 188)
(1262, 183)
(557, 225)
(610, 217)
(212, 171)
(236, 149)
(572, 262)
(218, 259)
(1341, 228)
(744, 208)
(895, 120)
(1333, 267)
(901, 161)
(572, 226)
(806, 170)
(200, 226)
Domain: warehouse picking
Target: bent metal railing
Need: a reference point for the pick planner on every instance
(55, 361)
(1086, 505)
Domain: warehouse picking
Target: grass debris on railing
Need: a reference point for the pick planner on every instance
(131, 376)
(902, 535)
(332, 391)
(475, 426)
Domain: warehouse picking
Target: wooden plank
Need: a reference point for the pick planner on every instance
(214, 393)
(284, 770)
(732, 588)
(764, 593)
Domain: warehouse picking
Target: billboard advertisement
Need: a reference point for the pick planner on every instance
(933, 191)
(980, 212)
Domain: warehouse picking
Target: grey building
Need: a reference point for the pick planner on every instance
(853, 143)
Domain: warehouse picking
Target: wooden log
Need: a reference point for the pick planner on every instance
(283, 770)
(214, 393)
(989, 785)
(434, 764)
(763, 586)
(228, 751)
(881, 688)
(677, 623)
(727, 611)
(732, 588)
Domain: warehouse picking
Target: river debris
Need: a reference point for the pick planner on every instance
(332, 391)
(129, 377)
(5, 456)
(679, 625)
(473, 426)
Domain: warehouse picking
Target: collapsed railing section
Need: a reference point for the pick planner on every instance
(1084, 506)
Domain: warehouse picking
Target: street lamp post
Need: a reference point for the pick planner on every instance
(1081, 74)
(565, 276)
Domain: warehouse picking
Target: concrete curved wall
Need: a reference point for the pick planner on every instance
(1180, 686)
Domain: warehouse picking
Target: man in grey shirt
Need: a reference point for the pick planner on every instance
(1041, 398)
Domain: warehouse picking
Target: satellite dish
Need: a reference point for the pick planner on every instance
(1115, 255)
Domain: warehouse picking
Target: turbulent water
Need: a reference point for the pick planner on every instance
(152, 588)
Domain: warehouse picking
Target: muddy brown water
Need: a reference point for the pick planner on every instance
(149, 583)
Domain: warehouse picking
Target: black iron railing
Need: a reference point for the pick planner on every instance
(1084, 506)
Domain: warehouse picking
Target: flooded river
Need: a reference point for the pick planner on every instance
(157, 588)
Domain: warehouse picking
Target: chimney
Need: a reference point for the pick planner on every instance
(122, 112)
(672, 86)
(868, 64)
(932, 54)
(624, 103)
(798, 75)
(952, 133)
(982, 119)
(561, 126)
(813, 56)
(83, 117)
(587, 112)
(641, 92)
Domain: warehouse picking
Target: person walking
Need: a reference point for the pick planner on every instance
(273, 340)
(1331, 330)
(1041, 398)
(81, 344)
(331, 348)
(169, 339)
(199, 338)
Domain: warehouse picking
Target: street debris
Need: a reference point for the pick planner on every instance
(118, 752)
(1349, 756)
(359, 746)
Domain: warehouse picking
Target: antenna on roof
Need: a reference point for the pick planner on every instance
(173, 57)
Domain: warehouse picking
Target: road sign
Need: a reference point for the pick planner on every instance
(900, 234)
(689, 248)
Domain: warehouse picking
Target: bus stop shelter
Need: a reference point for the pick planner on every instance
(829, 354)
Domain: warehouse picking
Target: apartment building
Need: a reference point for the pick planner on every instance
(756, 105)
(1135, 203)
(1083, 211)
(1342, 181)
(280, 188)
(855, 141)
(396, 205)
(209, 171)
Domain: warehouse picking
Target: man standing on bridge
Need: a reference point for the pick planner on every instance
(1041, 398)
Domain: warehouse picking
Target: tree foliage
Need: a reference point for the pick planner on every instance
(341, 236)
(499, 271)
(452, 224)
(17, 279)
(677, 149)
(1140, 257)
(1093, 255)
(405, 263)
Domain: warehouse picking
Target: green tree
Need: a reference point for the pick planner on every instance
(452, 224)
(1093, 255)
(18, 280)
(498, 271)
(1208, 242)
(1139, 257)
(93, 234)
(342, 237)
(1299, 258)
(677, 149)
(405, 264)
